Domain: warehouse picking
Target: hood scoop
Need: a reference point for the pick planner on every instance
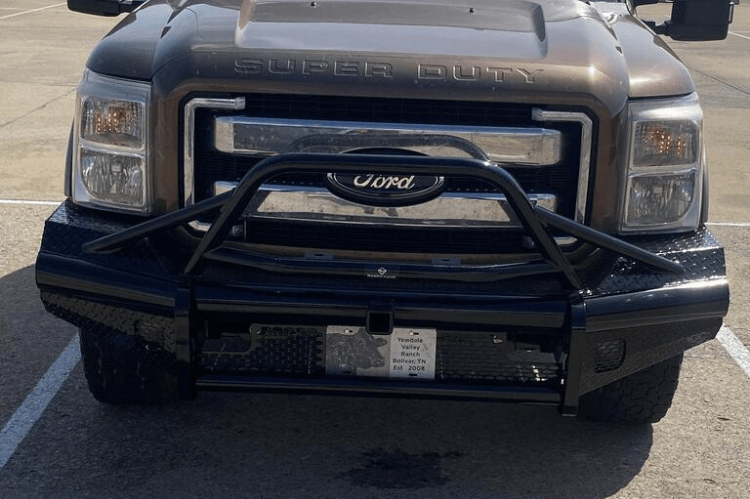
(510, 16)
(514, 28)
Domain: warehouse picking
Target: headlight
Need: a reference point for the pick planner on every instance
(665, 166)
(110, 160)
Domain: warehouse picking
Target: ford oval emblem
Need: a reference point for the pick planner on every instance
(379, 189)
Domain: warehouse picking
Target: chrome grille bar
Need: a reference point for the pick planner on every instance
(265, 137)
(449, 210)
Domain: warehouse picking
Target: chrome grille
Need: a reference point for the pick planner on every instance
(548, 152)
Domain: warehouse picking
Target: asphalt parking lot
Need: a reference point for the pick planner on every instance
(250, 445)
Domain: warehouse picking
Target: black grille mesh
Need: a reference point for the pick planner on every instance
(436, 112)
(609, 355)
(464, 357)
(267, 350)
(474, 357)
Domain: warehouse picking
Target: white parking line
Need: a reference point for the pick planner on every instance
(32, 11)
(728, 224)
(736, 349)
(36, 402)
(31, 202)
(741, 36)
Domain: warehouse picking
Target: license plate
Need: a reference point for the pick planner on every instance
(407, 353)
(413, 353)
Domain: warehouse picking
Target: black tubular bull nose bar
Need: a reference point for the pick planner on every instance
(534, 219)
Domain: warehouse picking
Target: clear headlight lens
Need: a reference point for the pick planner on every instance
(111, 161)
(665, 166)
(115, 177)
(656, 198)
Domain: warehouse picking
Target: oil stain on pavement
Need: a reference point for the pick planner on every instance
(399, 470)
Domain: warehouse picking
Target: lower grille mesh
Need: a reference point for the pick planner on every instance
(474, 357)
(268, 351)
(280, 351)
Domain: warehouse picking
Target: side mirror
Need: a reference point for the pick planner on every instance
(104, 7)
(700, 19)
(696, 20)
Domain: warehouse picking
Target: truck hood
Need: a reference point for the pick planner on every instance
(555, 51)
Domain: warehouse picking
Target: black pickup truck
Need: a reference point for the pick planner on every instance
(494, 199)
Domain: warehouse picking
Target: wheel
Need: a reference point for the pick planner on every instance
(122, 368)
(642, 397)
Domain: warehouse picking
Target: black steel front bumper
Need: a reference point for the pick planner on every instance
(651, 299)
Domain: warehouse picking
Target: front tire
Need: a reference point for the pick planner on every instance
(642, 397)
(124, 369)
